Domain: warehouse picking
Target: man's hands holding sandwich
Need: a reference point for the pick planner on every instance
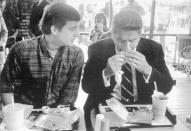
(132, 57)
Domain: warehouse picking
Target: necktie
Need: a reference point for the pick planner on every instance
(127, 86)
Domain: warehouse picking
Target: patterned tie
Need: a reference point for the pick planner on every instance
(127, 85)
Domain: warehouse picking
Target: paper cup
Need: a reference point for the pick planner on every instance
(45, 109)
(64, 108)
(159, 105)
(98, 123)
(14, 116)
(105, 125)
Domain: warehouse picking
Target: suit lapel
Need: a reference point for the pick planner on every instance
(140, 46)
(111, 48)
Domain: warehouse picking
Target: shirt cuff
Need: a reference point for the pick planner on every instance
(147, 78)
(106, 80)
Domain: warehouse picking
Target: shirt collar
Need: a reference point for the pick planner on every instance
(43, 46)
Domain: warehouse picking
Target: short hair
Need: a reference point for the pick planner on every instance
(2, 1)
(57, 13)
(127, 20)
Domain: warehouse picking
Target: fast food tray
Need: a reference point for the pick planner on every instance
(51, 122)
(117, 122)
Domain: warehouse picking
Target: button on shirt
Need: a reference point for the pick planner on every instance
(30, 74)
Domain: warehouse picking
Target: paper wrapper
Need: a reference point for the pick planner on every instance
(117, 108)
(65, 121)
(141, 115)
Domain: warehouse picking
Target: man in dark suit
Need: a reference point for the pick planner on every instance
(106, 59)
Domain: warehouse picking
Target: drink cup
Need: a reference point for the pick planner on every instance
(159, 104)
(98, 123)
(105, 125)
(14, 116)
(45, 109)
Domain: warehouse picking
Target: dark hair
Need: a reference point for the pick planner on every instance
(127, 20)
(2, 1)
(57, 14)
(101, 16)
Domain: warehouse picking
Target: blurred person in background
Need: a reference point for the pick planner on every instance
(134, 6)
(3, 38)
(12, 25)
(46, 70)
(100, 27)
(36, 14)
(3, 35)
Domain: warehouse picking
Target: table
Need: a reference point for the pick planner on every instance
(81, 124)
(180, 126)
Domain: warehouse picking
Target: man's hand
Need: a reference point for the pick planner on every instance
(138, 60)
(99, 27)
(114, 63)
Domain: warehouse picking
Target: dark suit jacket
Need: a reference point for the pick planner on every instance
(98, 54)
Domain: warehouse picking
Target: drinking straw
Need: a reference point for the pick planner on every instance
(156, 89)
(12, 102)
(99, 121)
(155, 86)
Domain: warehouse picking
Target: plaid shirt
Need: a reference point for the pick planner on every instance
(38, 79)
(3, 39)
(3, 31)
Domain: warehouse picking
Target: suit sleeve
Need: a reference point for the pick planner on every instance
(92, 82)
(161, 74)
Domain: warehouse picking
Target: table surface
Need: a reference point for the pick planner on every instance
(180, 126)
(27, 122)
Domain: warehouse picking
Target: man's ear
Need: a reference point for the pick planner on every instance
(53, 29)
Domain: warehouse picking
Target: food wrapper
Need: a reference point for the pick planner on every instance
(118, 76)
(141, 115)
(117, 108)
(66, 120)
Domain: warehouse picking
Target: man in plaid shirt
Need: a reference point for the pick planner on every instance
(46, 70)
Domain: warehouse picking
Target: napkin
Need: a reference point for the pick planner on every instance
(142, 115)
(117, 108)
